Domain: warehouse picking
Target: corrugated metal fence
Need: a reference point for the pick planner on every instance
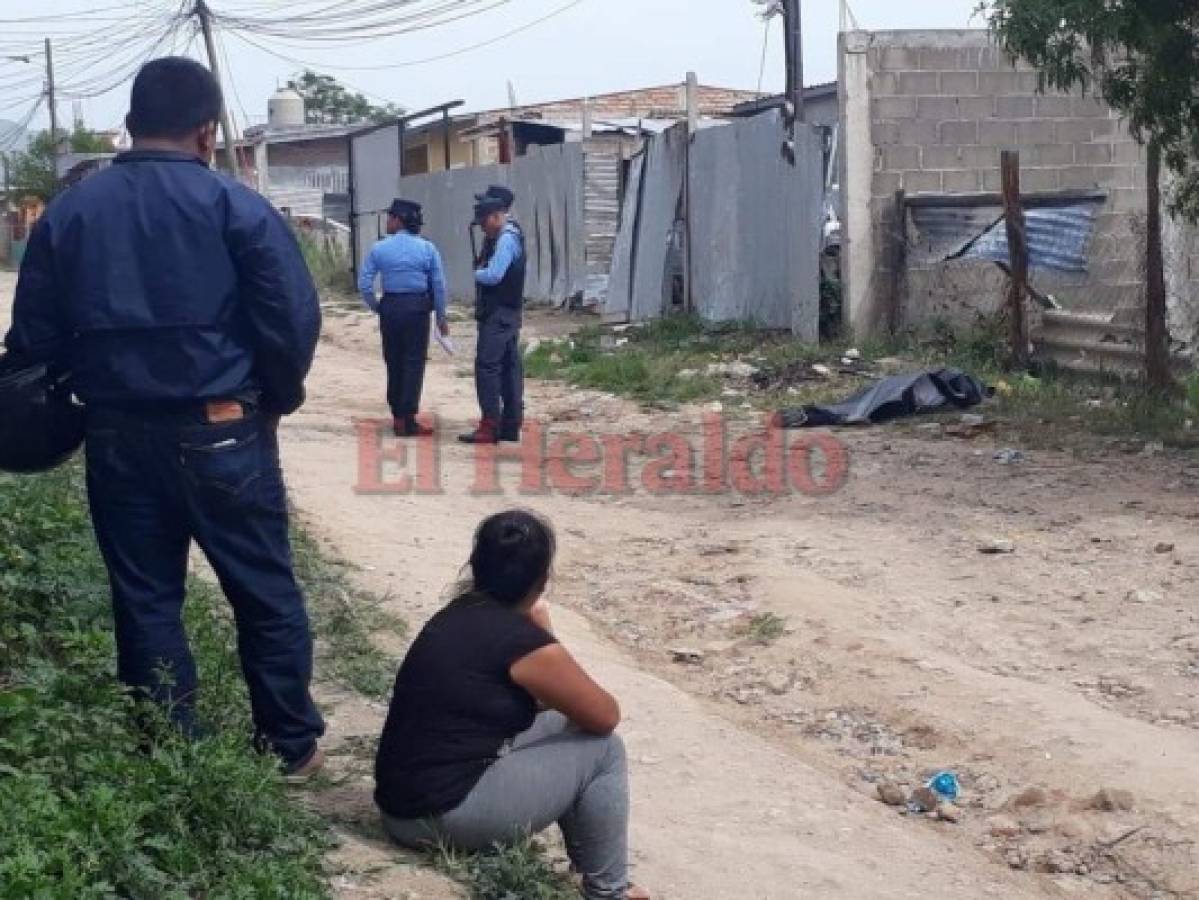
(755, 227)
(548, 184)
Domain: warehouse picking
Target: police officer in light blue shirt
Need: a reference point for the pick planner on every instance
(413, 286)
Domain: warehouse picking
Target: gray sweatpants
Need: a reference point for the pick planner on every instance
(552, 773)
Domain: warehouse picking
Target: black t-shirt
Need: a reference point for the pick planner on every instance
(454, 707)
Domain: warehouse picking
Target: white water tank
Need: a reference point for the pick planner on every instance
(285, 109)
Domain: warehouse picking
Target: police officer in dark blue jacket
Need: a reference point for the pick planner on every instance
(500, 277)
(181, 304)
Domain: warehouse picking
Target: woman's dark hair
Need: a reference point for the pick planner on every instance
(172, 97)
(512, 556)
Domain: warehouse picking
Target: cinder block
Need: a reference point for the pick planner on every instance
(959, 84)
(1009, 83)
(1049, 155)
(961, 182)
(976, 107)
(937, 109)
(944, 156)
(895, 59)
(884, 84)
(1126, 200)
(1079, 177)
(921, 182)
(1105, 128)
(1033, 180)
(1120, 176)
(885, 133)
(1093, 154)
(1128, 152)
(894, 108)
(1014, 107)
(992, 180)
(950, 59)
(1075, 131)
(1036, 131)
(959, 133)
(980, 157)
(997, 134)
(917, 132)
(885, 184)
(1090, 108)
(1054, 106)
(919, 84)
(902, 157)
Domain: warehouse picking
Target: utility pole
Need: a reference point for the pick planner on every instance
(204, 14)
(793, 24)
(53, 110)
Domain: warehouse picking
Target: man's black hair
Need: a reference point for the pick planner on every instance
(172, 97)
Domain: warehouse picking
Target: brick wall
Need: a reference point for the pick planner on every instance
(316, 153)
(940, 108)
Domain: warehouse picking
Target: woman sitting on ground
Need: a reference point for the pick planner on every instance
(467, 760)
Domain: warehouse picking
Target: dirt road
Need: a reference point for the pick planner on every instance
(904, 650)
(894, 648)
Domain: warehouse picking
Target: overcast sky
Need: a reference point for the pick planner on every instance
(592, 47)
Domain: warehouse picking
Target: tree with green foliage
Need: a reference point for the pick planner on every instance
(32, 172)
(328, 102)
(1142, 58)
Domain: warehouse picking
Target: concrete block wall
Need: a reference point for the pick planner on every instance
(930, 112)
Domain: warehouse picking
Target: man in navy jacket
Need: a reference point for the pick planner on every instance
(181, 304)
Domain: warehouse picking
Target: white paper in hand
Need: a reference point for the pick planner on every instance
(443, 342)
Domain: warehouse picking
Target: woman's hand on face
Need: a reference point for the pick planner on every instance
(539, 613)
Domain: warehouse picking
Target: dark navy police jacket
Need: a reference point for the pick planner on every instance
(160, 282)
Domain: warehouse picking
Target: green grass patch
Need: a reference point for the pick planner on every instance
(345, 620)
(328, 262)
(101, 797)
(666, 363)
(522, 871)
(764, 628)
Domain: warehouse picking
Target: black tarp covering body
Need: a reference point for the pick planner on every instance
(893, 398)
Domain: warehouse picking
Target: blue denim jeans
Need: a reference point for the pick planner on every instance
(156, 482)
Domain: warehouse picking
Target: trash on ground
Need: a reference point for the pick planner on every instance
(996, 547)
(945, 785)
(1009, 457)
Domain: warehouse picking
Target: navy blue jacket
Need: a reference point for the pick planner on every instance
(159, 281)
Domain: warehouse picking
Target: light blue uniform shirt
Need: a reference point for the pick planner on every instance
(407, 264)
(508, 249)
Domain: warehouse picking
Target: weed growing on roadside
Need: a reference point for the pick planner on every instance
(101, 797)
(344, 619)
(522, 871)
(765, 628)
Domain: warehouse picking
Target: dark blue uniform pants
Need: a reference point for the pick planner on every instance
(404, 322)
(155, 483)
(499, 369)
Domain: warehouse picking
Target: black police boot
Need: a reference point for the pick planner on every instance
(510, 432)
(410, 427)
(486, 433)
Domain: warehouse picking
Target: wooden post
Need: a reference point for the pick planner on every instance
(587, 119)
(899, 261)
(445, 131)
(1017, 238)
(1157, 340)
